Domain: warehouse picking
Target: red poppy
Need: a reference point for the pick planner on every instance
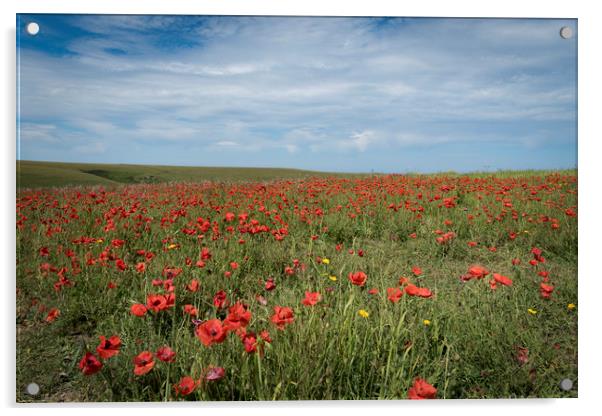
(545, 290)
(111, 285)
(249, 340)
(373, 291)
(143, 363)
(238, 316)
(89, 364)
(185, 386)
(265, 335)
(214, 373)
(358, 278)
(120, 264)
(219, 300)
(108, 347)
(52, 315)
(193, 286)
(522, 355)
(416, 270)
(140, 267)
(166, 354)
(282, 316)
(156, 303)
(475, 272)
(422, 292)
(515, 262)
(502, 279)
(138, 309)
(211, 332)
(537, 255)
(403, 280)
(311, 298)
(190, 310)
(270, 285)
(422, 390)
(394, 294)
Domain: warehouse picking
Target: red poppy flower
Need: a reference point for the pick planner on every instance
(214, 373)
(140, 267)
(185, 386)
(211, 332)
(515, 262)
(89, 364)
(475, 272)
(373, 291)
(265, 335)
(358, 278)
(422, 292)
(545, 290)
(311, 298)
(193, 286)
(52, 315)
(422, 390)
(394, 294)
(522, 355)
(238, 316)
(502, 279)
(190, 310)
(120, 264)
(282, 316)
(108, 347)
(249, 340)
(156, 303)
(403, 280)
(143, 363)
(270, 285)
(138, 309)
(416, 270)
(166, 354)
(219, 300)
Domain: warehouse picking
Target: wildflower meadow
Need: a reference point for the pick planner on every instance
(439, 286)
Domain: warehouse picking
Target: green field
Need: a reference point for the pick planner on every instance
(92, 254)
(33, 174)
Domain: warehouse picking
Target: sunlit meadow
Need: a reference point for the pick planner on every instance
(373, 287)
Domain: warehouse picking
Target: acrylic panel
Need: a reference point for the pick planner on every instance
(227, 208)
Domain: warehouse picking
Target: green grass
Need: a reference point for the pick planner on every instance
(33, 174)
(469, 350)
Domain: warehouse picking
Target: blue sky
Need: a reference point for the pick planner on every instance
(330, 94)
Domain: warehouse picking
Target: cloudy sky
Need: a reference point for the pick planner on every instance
(330, 94)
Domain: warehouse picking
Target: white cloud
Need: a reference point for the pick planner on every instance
(295, 84)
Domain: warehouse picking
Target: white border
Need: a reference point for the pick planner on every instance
(589, 27)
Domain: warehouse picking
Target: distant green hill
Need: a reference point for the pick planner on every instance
(32, 174)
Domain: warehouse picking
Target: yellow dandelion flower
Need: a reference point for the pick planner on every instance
(571, 306)
(363, 313)
(532, 311)
(426, 322)
(325, 261)
(171, 246)
(100, 240)
(333, 278)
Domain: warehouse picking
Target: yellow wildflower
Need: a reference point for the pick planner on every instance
(363, 313)
(333, 278)
(325, 261)
(532, 311)
(426, 322)
(571, 306)
(171, 246)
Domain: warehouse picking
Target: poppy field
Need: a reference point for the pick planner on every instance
(323, 288)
